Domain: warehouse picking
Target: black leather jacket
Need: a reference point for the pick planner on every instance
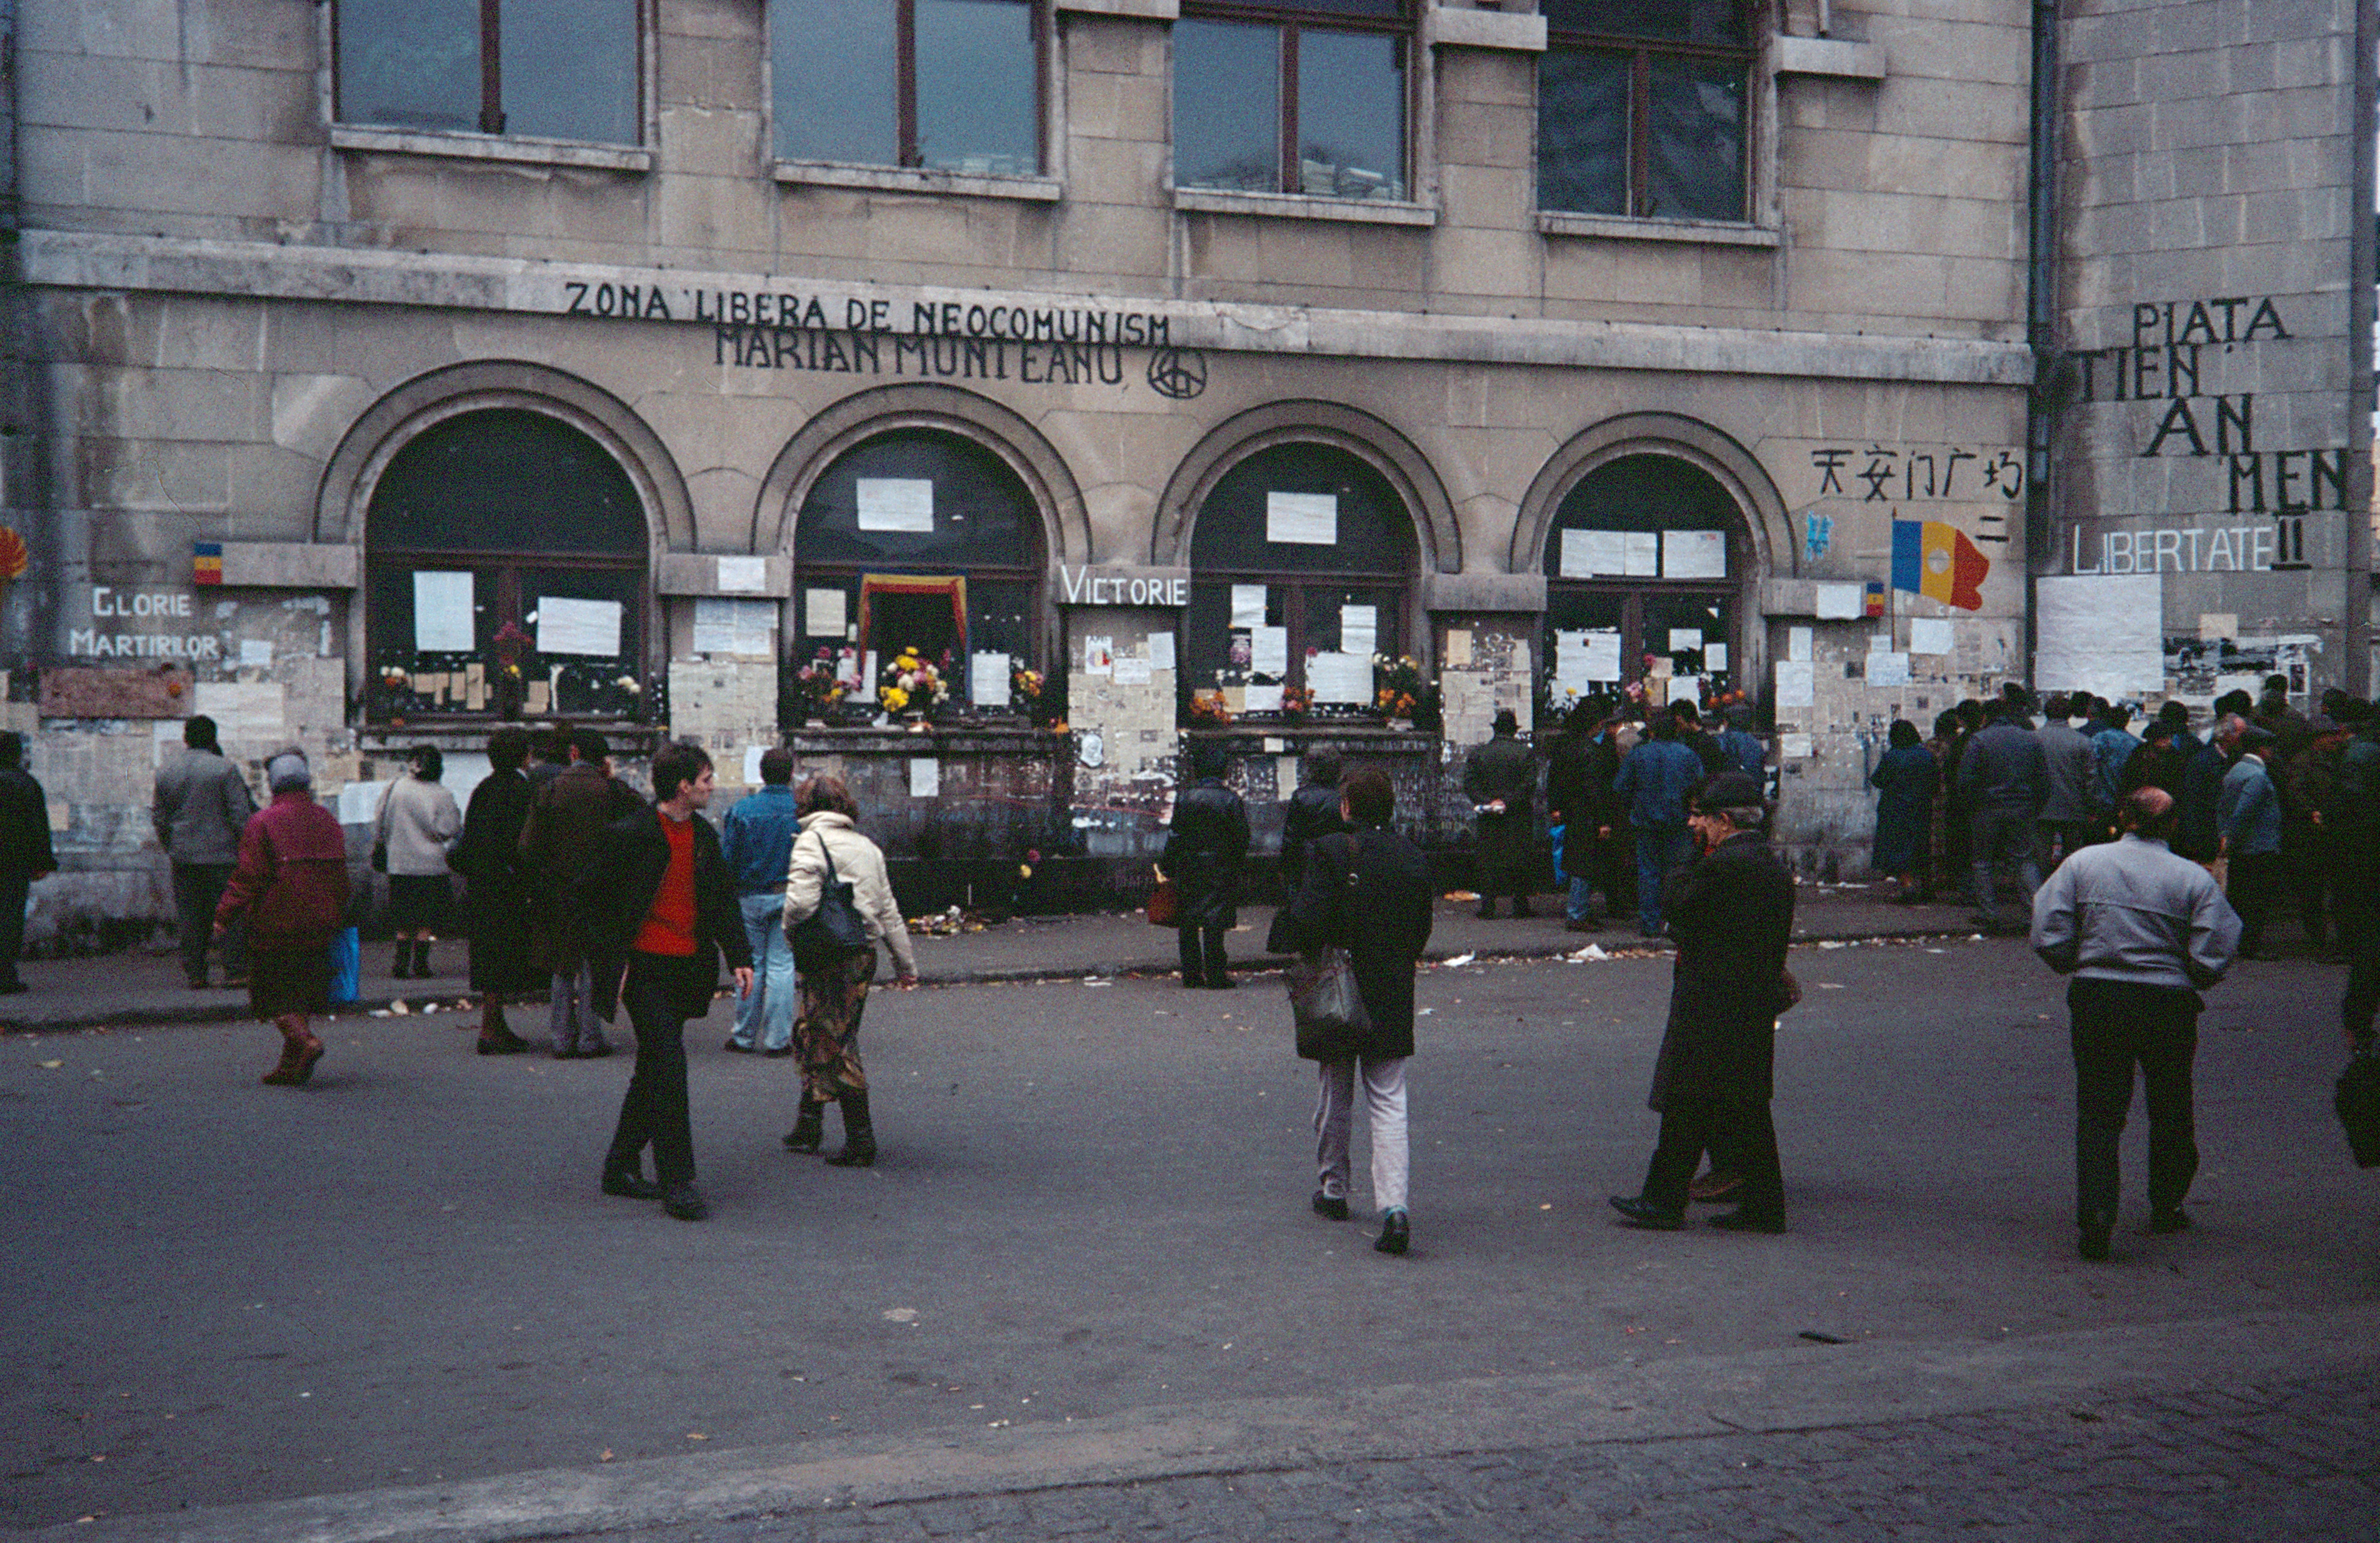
(1207, 845)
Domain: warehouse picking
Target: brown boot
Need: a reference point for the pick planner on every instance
(496, 1036)
(299, 1050)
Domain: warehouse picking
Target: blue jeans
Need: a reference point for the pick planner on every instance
(1579, 902)
(1659, 848)
(767, 1013)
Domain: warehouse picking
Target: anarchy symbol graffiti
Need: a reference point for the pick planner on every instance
(1180, 373)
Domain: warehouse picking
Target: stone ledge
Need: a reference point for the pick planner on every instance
(1835, 57)
(1485, 593)
(290, 566)
(917, 179)
(1620, 227)
(1299, 206)
(697, 573)
(1458, 27)
(494, 147)
(1147, 11)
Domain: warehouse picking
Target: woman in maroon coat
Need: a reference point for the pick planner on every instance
(292, 886)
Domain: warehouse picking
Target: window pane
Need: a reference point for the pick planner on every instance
(837, 75)
(413, 62)
(1386, 9)
(569, 69)
(502, 480)
(1227, 106)
(1583, 132)
(977, 512)
(1696, 166)
(1719, 22)
(1375, 534)
(1351, 115)
(1683, 619)
(977, 104)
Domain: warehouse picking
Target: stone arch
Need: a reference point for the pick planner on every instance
(1066, 523)
(1728, 463)
(353, 470)
(1436, 539)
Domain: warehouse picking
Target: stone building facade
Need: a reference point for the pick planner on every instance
(386, 370)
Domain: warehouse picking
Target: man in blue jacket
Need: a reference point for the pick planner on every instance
(2248, 820)
(1655, 779)
(759, 846)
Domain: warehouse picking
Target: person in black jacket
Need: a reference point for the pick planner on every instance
(662, 910)
(1731, 913)
(1202, 856)
(1307, 816)
(25, 853)
(1500, 780)
(1568, 765)
(495, 907)
(1368, 891)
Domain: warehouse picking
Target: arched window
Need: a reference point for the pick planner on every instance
(506, 570)
(921, 539)
(1301, 561)
(1643, 568)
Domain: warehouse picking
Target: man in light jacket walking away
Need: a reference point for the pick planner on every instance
(2142, 931)
(200, 805)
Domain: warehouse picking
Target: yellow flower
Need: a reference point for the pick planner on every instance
(895, 699)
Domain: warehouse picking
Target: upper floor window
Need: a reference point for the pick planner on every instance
(1643, 108)
(950, 85)
(1295, 97)
(556, 69)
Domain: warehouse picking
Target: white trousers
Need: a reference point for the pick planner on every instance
(1384, 1094)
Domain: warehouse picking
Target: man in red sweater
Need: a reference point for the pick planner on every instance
(665, 909)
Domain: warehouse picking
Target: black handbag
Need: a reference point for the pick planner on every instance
(2357, 1100)
(1324, 997)
(833, 932)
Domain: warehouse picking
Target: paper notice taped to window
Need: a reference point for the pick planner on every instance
(896, 503)
(1302, 518)
(1247, 605)
(441, 613)
(822, 612)
(988, 679)
(581, 626)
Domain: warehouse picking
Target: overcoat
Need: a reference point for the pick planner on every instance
(496, 907)
(1204, 852)
(1731, 913)
(558, 845)
(1905, 779)
(1368, 891)
(1504, 768)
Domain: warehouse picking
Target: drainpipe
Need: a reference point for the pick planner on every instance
(2041, 313)
(2355, 672)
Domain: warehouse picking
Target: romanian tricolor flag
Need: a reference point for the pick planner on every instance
(206, 562)
(1935, 560)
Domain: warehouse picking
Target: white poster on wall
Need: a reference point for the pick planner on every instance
(738, 626)
(1600, 664)
(1302, 518)
(1841, 602)
(2101, 633)
(824, 612)
(924, 777)
(1930, 634)
(1797, 683)
(1797, 643)
(896, 503)
(1359, 629)
(743, 576)
(1693, 554)
(1887, 668)
(1269, 654)
(580, 626)
(1685, 640)
(1594, 554)
(1098, 656)
(441, 613)
(1132, 669)
(1344, 678)
(1160, 651)
(1715, 657)
(1247, 605)
(988, 679)
(1262, 697)
(1642, 550)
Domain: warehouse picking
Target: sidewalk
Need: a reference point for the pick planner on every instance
(147, 987)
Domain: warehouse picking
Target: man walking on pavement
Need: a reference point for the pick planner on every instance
(2142, 931)
(1500, 780)
(759, 844)
(1731, 912)
(200, 805)
(25, 853)
(2004, 779)
(2248, 826)
(1655, 779)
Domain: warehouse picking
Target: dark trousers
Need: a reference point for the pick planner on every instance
(2357, 1008)
(2002, 836)
(2119, 1026)
(15, 884)
(2255, 884)
(1659, 848)
(1741, 1138)
(198, 888)
(2313, 876)
(1202, 956)
(2057, 839)
(653, 1113)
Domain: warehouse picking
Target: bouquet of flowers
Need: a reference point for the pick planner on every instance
(1296, 701)
(1207, 707)
(1397, 686)
(913, 683)
(1025, 690)
(818, 686)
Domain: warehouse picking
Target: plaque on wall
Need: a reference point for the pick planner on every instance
(100, 693)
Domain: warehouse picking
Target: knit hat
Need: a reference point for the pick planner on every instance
(286, 771)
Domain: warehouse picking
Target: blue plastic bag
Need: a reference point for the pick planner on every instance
(347, 967)
(1562, 879)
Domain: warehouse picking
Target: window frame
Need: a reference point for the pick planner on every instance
(1641, 51)
(1289, 18)
(907, 167)
(480, 141)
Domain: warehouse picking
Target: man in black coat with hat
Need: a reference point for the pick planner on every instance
(1731, 913)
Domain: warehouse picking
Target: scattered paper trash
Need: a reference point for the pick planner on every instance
(1833, 942)
(1460, 960)
(1592, 951)
(399, 1008)
(900, 1315)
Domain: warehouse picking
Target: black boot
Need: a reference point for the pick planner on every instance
(421, 958)
(858, 1134)
(809, 1126)
(402, 968)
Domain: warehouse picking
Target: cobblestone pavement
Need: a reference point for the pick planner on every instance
(2289, 1460)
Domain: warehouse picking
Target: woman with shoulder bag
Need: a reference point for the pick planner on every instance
(1367, 892)
(830, 851)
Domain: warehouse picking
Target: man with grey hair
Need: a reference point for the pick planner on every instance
(200, 806)
(2142, 931)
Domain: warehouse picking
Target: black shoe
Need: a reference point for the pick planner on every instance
(1396, 1233)
(13, 988)
(683, 1201)
(809, 1126)
(858, 1134)
(778, 1053)
(501, 1044)
(2174, 1220)
(198, 982)
(598, 1053)
(629, 1184)
(1188, 984)
(1223, 983)
(561, 1055)
(2094, 1243)
(1739, 1221)
(1521, 910)
(732, 1047)
(1488, 913)
(1331, 1205)
(1642, 1212)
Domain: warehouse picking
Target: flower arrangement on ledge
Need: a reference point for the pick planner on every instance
(1296, 701)
(1206, 709)
(818, 688)
(1397, 686)
(912, 682)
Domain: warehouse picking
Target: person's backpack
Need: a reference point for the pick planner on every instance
(836, 931)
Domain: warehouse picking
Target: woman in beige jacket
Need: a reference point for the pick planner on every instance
(827, 1033)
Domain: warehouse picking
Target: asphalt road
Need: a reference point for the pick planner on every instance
(1092, 1201)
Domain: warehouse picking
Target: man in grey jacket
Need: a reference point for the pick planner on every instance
(202, 804)
(2004, 781)
(2141, 931)
(2066, 826)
